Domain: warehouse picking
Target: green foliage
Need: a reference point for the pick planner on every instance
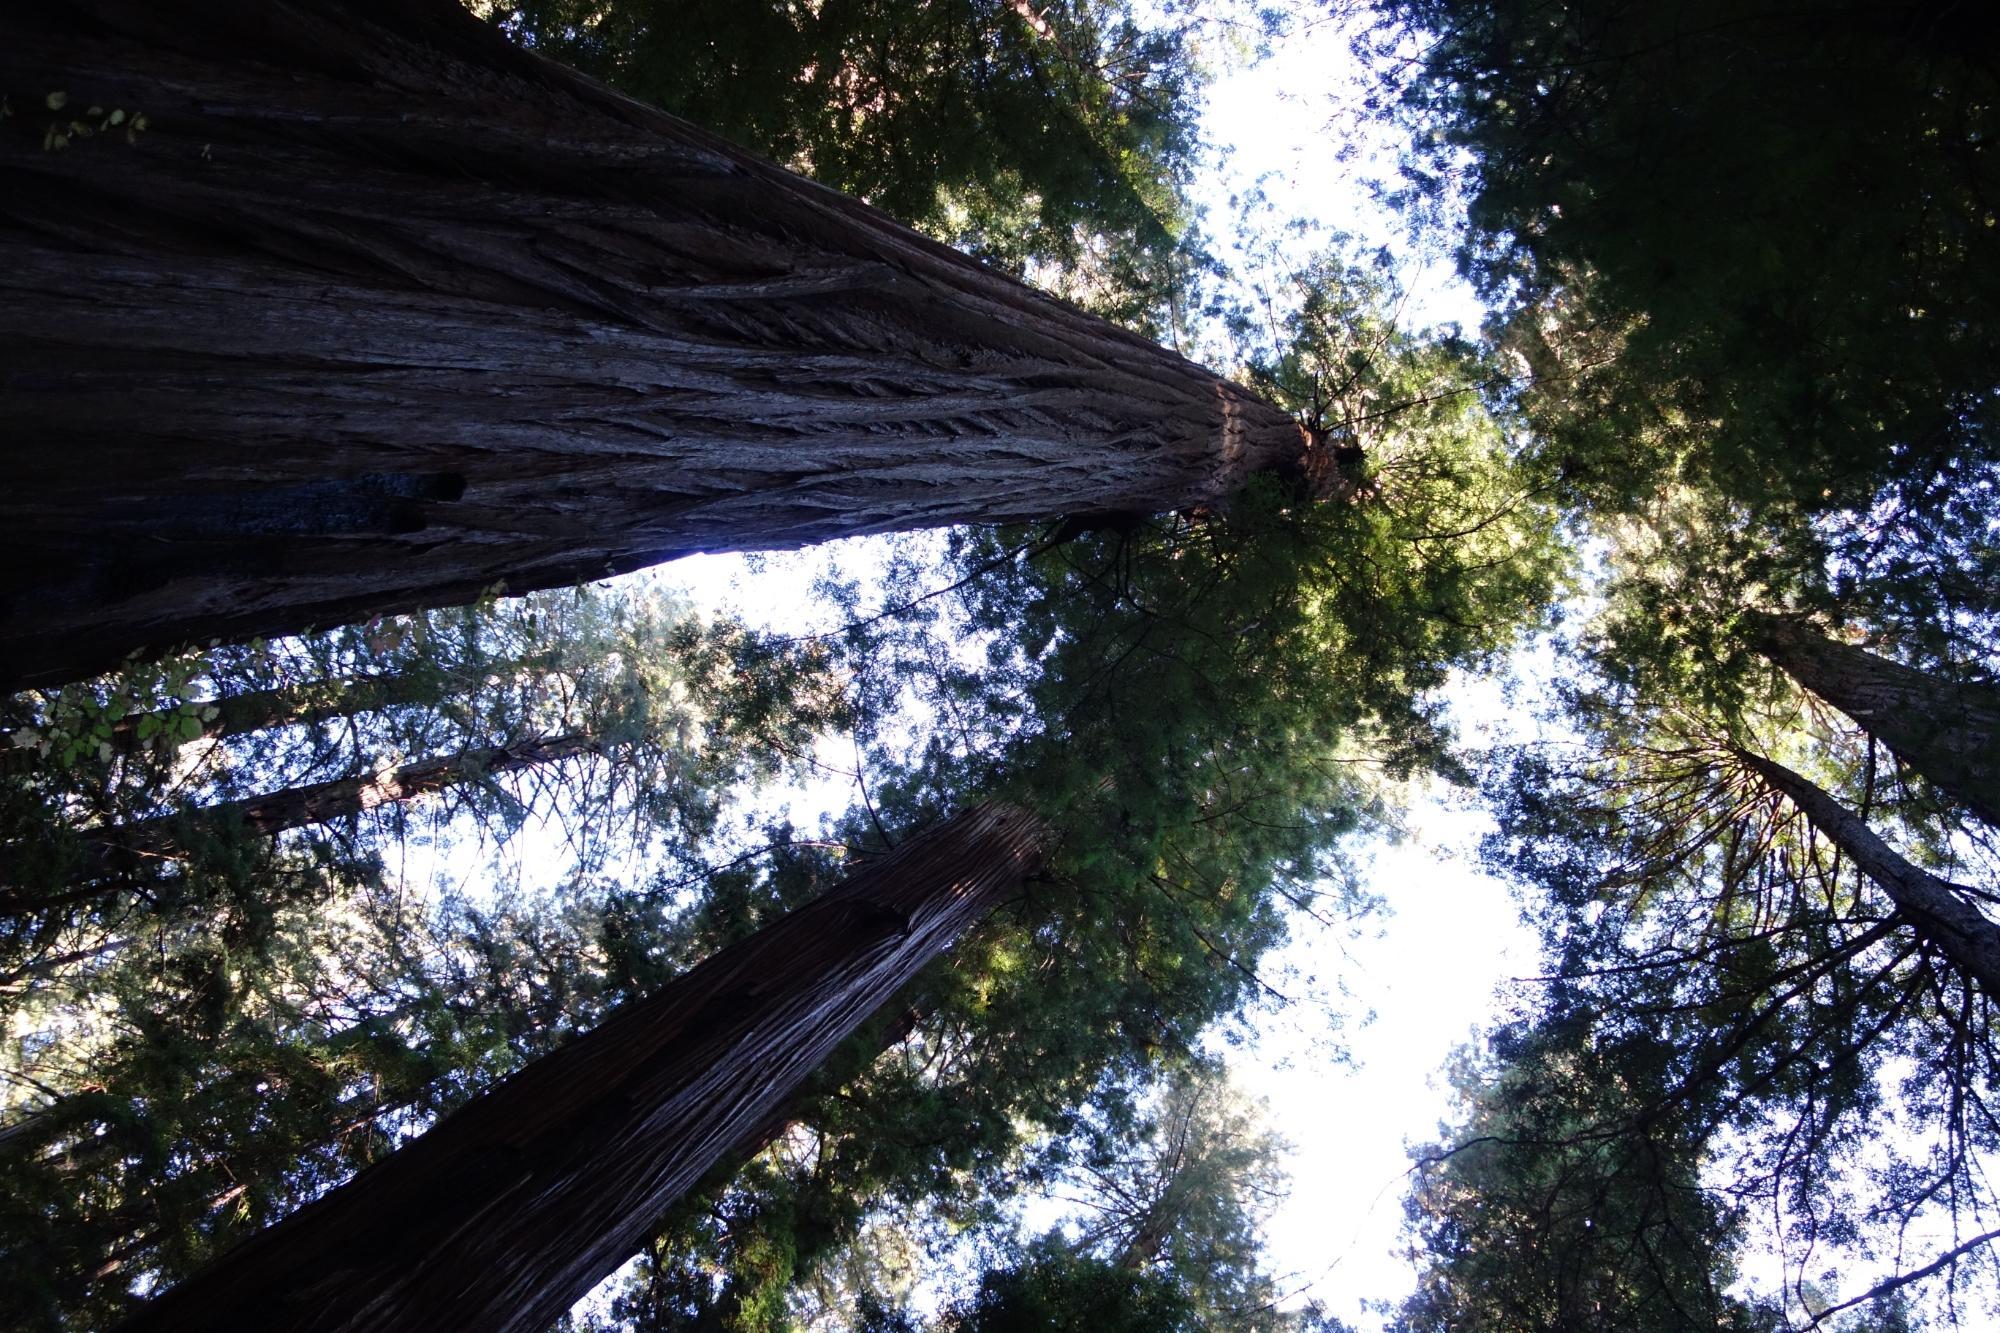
(1200, 705)
(1745, 260)
(1749, 248)
(201, 1047)
(1181, 1194)
(1053, 139)
(1806, 1040)
(1051, 1288)
(1568, 1197)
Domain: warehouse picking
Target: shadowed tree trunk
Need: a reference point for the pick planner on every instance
(120, 848)
(1937, 909)
(256, 710)
(1949, 731)
(377, 311)
(513, 1207)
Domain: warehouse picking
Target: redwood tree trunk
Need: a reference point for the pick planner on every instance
(1949, 731)
(510, 1209)
(120, 847)
(1940, 911)
(379, 311)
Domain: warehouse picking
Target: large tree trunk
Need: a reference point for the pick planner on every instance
(1941, 912)
(122, 848)
(509, 1210)
(379, 311)
(1949, 731)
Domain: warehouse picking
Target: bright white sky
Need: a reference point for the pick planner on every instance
(1451, 935)
(1427, 969)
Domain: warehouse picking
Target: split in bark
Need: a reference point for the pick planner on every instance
(1936, 908)
(381, 311)
(513, 1207)
(1949, 731)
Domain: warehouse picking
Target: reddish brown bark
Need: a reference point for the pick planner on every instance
(512, 1208)
(1947, 730)
(380, 311)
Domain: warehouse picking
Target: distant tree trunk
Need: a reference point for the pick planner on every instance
(513, 1207)
(1949, 731)
(122, 847)
(379, 311)
(1937, 909)
(257, 710)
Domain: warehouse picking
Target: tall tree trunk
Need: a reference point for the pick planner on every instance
(1938, 909)
(297, 705)
(1949, 731)
(509, 1210)
(378, 311)
(302, 704)
(121, 847)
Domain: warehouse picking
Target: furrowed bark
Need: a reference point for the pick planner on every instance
(1949, 731)
(379, 311)
(509, 1210)
(1936, 908)
(122, 847)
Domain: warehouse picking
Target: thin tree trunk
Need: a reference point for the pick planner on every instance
(1949, 731)
(52, 963)
(1936, 908)
(379, 311)
(121, 847)
(303, 704)
(509, 1210)
(290, 705)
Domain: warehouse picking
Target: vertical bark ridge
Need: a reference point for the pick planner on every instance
(509, 1210)
(380, 311)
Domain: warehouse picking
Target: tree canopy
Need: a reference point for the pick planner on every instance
(269, 911)
(1055, 139)
(1741, 262)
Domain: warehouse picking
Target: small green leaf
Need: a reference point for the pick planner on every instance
(56, 101)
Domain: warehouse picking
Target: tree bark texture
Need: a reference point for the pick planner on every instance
(508, 1211)
(124, 847)
(1949, 731)
(1939, 910)
(379, 311)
